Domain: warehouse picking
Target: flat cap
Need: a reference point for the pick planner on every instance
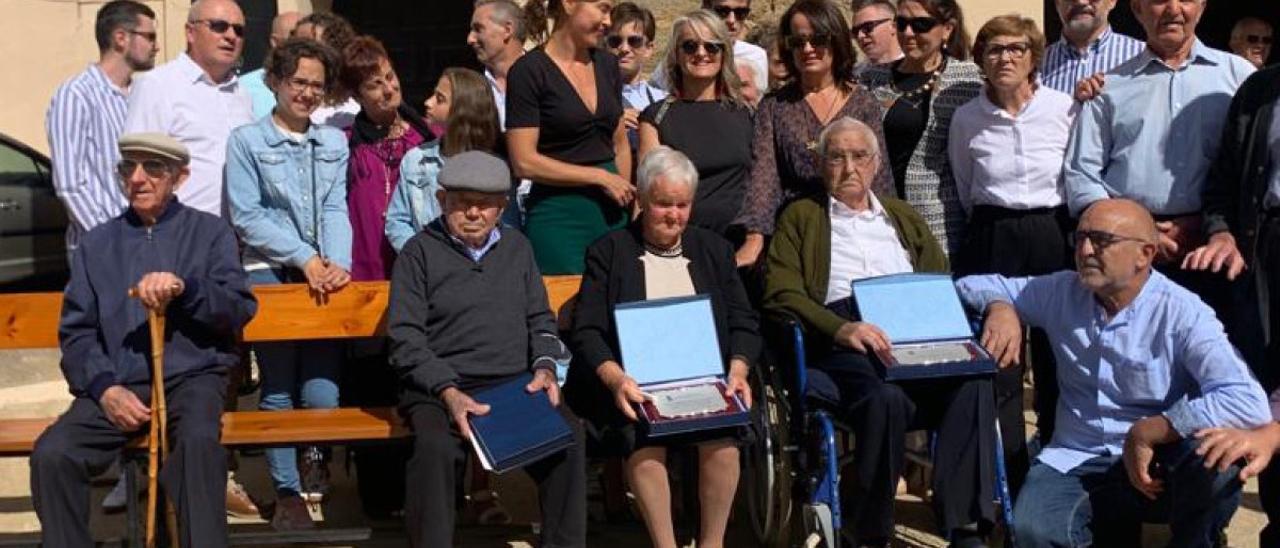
(155, 143)
(475, 171)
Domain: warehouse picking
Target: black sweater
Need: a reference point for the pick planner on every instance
(457, 322)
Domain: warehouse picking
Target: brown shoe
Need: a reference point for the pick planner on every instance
(238, 502)
(291, 514)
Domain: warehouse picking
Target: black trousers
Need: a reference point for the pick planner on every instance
(959, 409)
(439, 455)
(369, 381)
(1268, 371)
(1020, 243)
(82, 443)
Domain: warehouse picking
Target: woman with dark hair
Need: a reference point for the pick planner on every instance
(287, 198)
(818, 51)
(565, 133)
(338, 109)
(920, 92)
(706, 118)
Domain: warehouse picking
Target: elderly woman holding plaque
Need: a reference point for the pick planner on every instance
(660, 256)
(822, 244)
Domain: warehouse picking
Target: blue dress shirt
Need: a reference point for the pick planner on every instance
(1153, 132)
(1164, 353)
(1064, 66)
(255, 84)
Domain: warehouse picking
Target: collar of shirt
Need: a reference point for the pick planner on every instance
(997, 111)
(275, 136)
(841, 211)
(1126, 315)
(1093, 46)
(475, 253)
(101, 78)
(192, 72)
(1200, 54)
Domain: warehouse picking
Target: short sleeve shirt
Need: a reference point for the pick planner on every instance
(539, 95)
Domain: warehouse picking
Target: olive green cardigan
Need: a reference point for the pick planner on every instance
(799, 260)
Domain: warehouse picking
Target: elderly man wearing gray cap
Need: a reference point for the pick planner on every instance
(468, 311)
(185, 264)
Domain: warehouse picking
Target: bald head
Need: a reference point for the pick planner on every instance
(1122, 217)
(1115, 246)
(282, 26)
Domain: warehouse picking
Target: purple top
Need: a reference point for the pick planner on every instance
(372, 174)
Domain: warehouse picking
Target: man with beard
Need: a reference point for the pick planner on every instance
(1088, 45)
(86, 117)
(1251, 38)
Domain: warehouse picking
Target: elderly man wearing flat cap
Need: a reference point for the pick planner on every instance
(182, 262)
(468, 311)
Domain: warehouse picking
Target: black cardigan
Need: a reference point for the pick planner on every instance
(614, 274)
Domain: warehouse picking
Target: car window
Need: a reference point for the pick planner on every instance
(17, 168)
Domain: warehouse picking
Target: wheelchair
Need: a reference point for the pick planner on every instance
(794, 468)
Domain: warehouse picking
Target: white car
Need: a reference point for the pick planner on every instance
(33, 223)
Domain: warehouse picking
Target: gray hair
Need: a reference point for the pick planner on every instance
(846, 124)
(668, 162)
(507, 12)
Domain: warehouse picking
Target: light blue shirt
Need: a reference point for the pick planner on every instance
(476, 253)
(255, 84)
(287, 198)
(1153, 132)
(1064, 66)
(413, 203)
(641, 94)
(1164, 353)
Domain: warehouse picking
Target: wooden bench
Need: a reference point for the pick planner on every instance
(285, 312)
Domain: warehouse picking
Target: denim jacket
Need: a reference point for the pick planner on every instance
(288, 200)
(413, 204)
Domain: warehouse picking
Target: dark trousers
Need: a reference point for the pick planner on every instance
(960, 410)
(1268, 368)
(369, 381)
(82, 443)
(1020, 243)
(439, 454)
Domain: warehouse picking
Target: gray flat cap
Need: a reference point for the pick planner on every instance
(158, 144)
(475, 171)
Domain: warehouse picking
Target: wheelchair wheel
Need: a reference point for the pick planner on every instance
(767, 466)
(819, 527)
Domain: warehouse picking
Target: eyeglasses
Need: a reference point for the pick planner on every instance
(300, 85)
(868, 27)
(738, 13)
(1100, 240)
(690, 47)
(1257, 39)
(853, 157)
(919, 25)
(150, 36)
(1016, 50)
(635, 41)
(799, 41)
(152, 167)
(219, 26)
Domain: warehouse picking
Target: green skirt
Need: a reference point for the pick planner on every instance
(561, 222)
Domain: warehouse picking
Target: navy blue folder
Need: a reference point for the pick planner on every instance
(520, 428)
(915, 310)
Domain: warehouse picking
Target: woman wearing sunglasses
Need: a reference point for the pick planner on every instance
(287, 197)
(706, 118)
(818, 51)
(1006, 149)
(920, 92)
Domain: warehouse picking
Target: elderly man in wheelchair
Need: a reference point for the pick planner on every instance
(821, 245)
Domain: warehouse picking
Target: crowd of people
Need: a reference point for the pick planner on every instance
(1107, 205)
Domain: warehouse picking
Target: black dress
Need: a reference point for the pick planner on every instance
(614, 274)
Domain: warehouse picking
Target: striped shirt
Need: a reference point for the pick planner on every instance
(85, 118)
(1064, 66)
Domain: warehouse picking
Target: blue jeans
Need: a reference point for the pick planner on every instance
(304, 372)
(1094, 504)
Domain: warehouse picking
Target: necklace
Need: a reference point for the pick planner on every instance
(812, 143)
(915, 96)
(666, 253)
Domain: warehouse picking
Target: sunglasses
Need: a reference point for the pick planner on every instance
(218, 26)
(869, 26)
(918, 25)
(1256, 39)
(152, 167)
(635, 41)
(738, 13)
(691, 47)
(799, 41)
(150, 36)
(1100, 240)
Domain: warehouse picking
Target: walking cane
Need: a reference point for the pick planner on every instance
(158, 436)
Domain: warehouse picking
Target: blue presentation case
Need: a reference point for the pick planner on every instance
(521, 428)
(669, 344)
(918, 311)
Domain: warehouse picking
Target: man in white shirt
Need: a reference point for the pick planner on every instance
(197, 99)
(497, 36)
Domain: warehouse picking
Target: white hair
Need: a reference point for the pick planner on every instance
(846, 124)
(667, 162)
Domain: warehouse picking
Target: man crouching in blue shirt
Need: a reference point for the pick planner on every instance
(180, 261)
(1143, 365)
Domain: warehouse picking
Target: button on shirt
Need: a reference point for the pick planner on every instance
(1013, 162)
(863, 244)
(1164, 353)
(1064, 66)
(1153, 132)
(179, 99)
